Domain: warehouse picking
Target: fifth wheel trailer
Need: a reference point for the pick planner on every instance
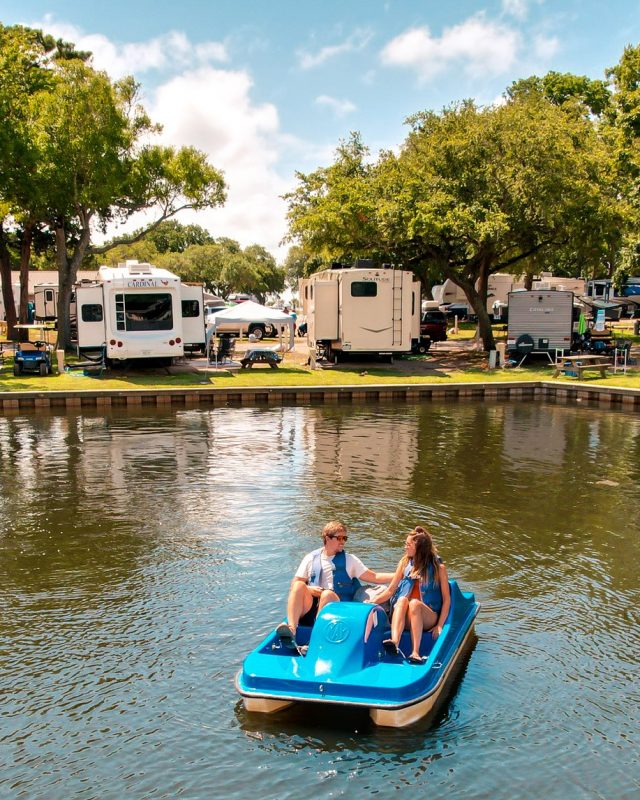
(361, 310)
(137, 310)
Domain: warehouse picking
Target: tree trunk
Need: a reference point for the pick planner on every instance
(25, 258)
(7, 288)
(528, 281)
(67, 276)
(485, 329)
(479, 305)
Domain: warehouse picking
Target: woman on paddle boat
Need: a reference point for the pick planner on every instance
(419, 594)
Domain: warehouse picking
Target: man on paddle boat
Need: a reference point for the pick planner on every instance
(419, 592)
(325, 576)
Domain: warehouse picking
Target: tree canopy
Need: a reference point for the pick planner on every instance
(473, 191)
(77, 153)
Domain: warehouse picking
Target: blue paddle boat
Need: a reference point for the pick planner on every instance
(341, 661)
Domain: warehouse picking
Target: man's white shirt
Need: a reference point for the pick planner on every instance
(354, 568)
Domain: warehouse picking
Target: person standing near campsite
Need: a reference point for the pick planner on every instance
(293, 315)
(419, 592)
(325, 575)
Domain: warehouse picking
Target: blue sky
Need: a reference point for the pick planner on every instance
(270, 87)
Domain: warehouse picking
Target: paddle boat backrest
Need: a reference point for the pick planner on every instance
(346, 637)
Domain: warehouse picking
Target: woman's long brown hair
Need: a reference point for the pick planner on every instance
(426, 555)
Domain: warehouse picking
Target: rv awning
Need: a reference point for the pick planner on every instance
(589, 301)
(248, 312)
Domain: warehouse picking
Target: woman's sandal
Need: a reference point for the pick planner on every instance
(391, 647)
(416, 659)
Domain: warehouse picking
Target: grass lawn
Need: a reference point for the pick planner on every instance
(416, 370)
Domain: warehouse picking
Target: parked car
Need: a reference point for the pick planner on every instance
(434, 325)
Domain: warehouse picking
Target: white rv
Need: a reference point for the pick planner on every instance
(45, 297)
(361, 310)
(139, 311)
(541, 322)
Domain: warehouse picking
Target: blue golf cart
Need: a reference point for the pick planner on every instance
(32, 356)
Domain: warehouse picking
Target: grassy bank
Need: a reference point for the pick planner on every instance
(292, 375)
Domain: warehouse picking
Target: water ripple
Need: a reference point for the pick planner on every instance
(162, 552)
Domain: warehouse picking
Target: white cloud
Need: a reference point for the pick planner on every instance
(545, 47)
(339, 107)
(354, 43)
(516, 8)
(172, 50)
(478, 45)
(212, 110)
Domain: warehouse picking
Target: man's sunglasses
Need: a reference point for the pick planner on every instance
(334, 536)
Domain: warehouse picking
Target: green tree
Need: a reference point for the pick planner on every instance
(74, 156)
(472, 192)
(26, 58)
(591, 97)
(299, 264)
(96, 171)
(270, 278)
(174, 237)
(224, 267)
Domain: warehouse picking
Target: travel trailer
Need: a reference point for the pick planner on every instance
(45, 297)
(362, 310)
(137, 310)
(540, 322)
(498, 287)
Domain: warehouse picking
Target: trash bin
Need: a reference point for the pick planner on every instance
(60, 359)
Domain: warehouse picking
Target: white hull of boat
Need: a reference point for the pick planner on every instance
(384, 717)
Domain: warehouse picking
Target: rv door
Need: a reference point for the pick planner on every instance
(193, 327)
(91, 317)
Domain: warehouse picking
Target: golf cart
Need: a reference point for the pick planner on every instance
(32, 356)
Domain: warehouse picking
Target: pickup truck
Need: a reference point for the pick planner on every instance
(257, 329)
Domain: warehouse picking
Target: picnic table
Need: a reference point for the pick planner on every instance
(576, 365)
(269, 357)
(6, 346)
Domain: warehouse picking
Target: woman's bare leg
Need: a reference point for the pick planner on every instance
(399, 619)
(421, 618)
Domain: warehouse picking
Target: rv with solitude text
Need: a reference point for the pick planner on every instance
(362, 310)
(137, 310)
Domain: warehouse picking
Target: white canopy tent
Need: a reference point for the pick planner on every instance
(247, 313)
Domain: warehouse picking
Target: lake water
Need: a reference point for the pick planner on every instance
(142, 555)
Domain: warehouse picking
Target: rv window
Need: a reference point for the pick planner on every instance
(144, 312)
(91, 312)
(413, 303)
(306, 292)
(48, 295)
(190, 308)
(364, 289)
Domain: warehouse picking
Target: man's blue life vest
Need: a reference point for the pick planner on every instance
(430, 591)
(343, 585)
